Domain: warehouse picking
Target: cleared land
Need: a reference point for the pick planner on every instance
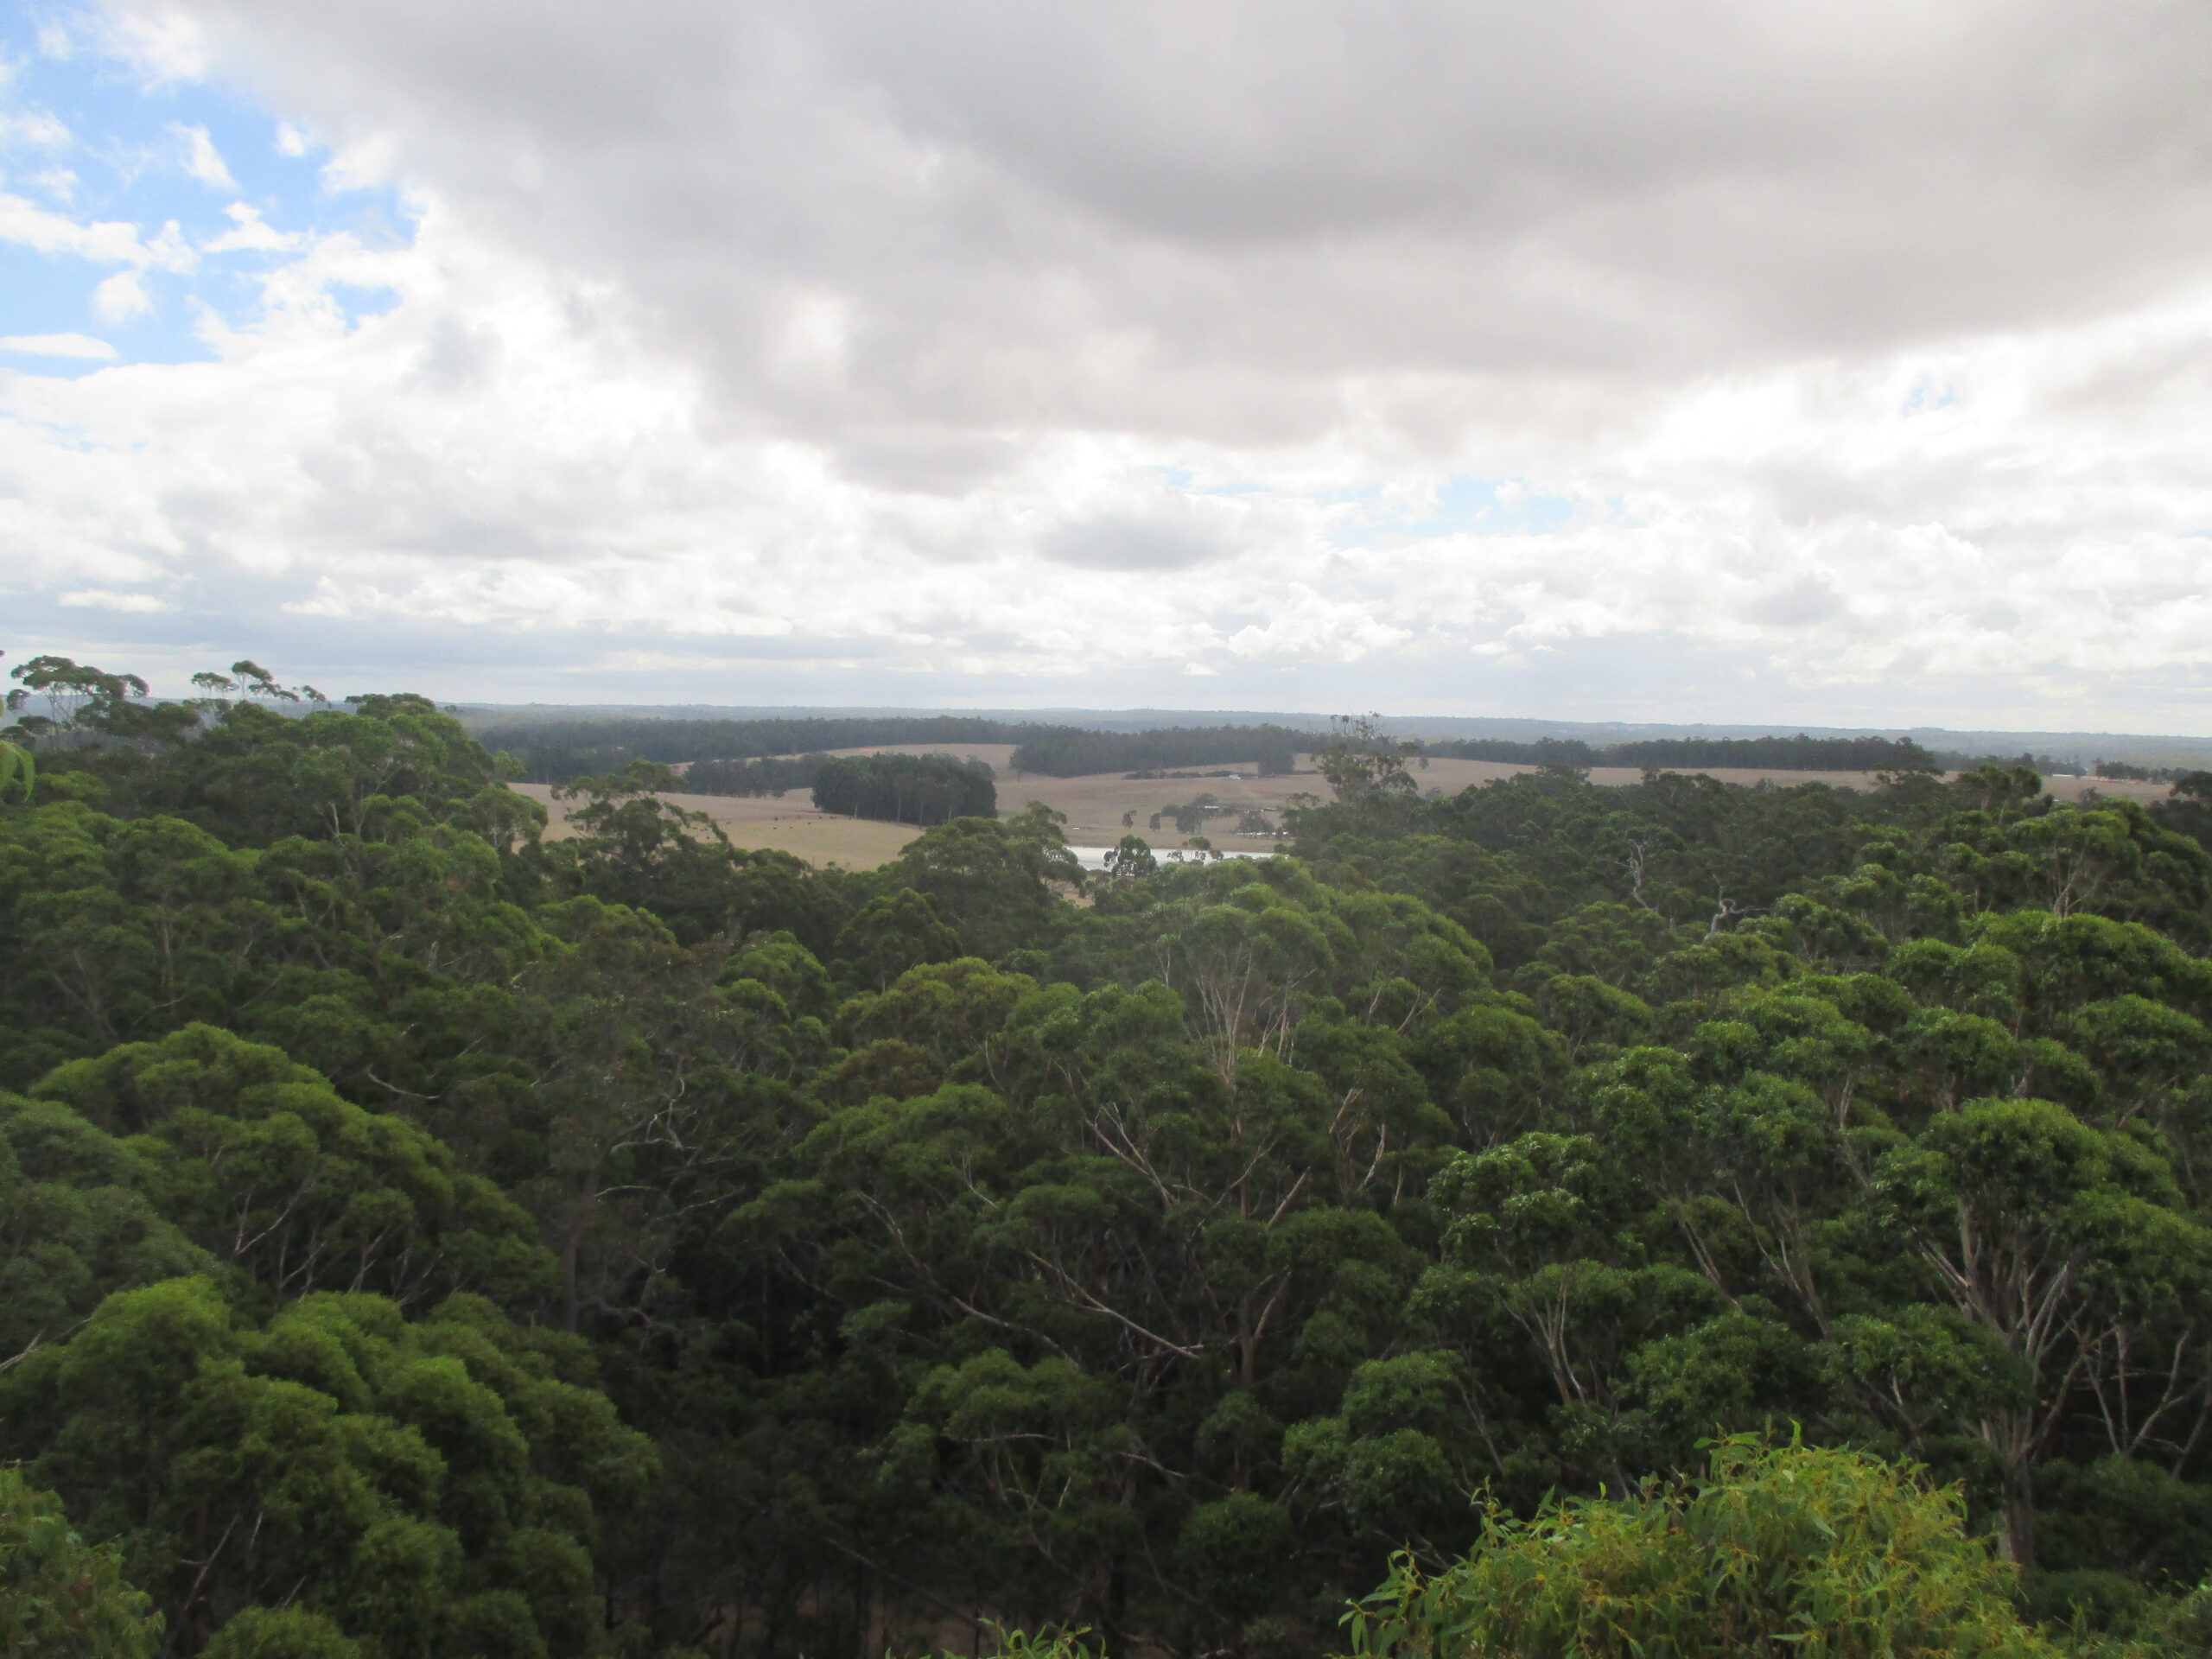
(1094, 804)
(789, 825)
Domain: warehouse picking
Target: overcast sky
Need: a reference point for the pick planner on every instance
(1732, 359)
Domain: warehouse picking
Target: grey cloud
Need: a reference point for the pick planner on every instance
(1127, 543)
(1204, 219)
(1801, 603)
(927, 462)
(456, 358)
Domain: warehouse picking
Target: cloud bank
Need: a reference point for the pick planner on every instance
(1806, 362)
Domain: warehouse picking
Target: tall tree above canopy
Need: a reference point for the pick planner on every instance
(1366, 768)
(992, 881)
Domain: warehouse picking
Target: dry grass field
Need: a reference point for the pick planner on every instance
(1095, 805)
(789, 825)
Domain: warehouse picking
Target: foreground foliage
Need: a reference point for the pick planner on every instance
(60, 1598)
(1828, 1554)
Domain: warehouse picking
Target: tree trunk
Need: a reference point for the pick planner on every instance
(2019, 1544)
(571, 1246)
(2017, 1541)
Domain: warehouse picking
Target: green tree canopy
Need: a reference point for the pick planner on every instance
(416, 1485)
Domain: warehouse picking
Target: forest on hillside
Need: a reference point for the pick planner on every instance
(1511, 1212)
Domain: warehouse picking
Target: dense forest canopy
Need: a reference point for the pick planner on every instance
(424, 1238)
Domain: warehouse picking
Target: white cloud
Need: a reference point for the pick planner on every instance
(497, 456)
(362, 164)
(1309, 628)
(1253, 221)
(121, 298)
(163, 46)
(114, 242)
(82, 345)
(249, 233)
(107, 600)
(810, 351)
(201, 159)
(32, 128)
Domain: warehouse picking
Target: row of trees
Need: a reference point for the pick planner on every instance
(557, 751)
(1798, 754)
(907, 788)
(419, 1238)
(770, 776)
(1074, 752)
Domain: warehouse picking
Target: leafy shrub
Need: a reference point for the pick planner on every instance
(1823, 1554)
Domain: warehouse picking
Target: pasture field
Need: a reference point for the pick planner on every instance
(1094, 804)
(790, 825)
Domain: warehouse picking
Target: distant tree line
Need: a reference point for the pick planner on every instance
(1071, 752)
(1798, 754)
(905, 788)
(2048, 765)
(769, 776)
(555, 751)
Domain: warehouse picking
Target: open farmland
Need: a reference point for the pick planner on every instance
(789, 825)
(1094, 805)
